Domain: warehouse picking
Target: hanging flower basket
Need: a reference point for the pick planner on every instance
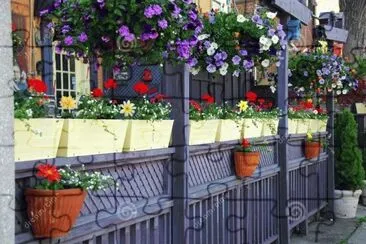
(312, 147)
(246, 161)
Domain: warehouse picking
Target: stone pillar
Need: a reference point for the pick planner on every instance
(7, 214)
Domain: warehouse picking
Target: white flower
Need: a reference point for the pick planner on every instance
(339, 92)
(214, 45)
(240, 18)
(275, 39)
(225, 65)
(29, 112)
(339, 83)
(301, 89)
(203, 37)
(273, 89)
(315, 111)
(210, 51)
(321, 81)
(128, 108)
(334, 85)
(260, 26)
(263, 40)
(344, 91)
(223, 71)
(271, 15)
(265, 63)
(195, 71)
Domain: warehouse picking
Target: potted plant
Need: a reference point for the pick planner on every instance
(54, 204)
(203, 122)
(32, 139)
(349, 173)
(246, 160)
(312, 146)
(93, 125)
(230, 125)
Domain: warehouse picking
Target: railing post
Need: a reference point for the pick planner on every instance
(7, 179)
(330, 151)
(47, 58)
(176, 82)
(282, 96)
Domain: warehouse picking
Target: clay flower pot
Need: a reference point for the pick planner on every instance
(312, 149)
(53, 213)
(246, 163)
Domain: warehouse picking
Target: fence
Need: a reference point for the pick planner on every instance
(189, 194)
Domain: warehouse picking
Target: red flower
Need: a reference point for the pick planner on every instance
(97, 92)
(49, 172)
(147, 75)
(158, 98)
(36, 85)
(13, 27)
(260, 101)
(245, 143)
(251, 96)
(110, 84)
(270, 104)
(195, 105)
(141, 88)
(208, 99)
(308, 104)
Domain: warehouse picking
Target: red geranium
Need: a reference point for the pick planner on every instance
(97, 92)
(245, 143)
(110, 84)
(195, 105)
(261, 101)
(158, 98)
(141, 88)
(37, 85)
(49, 172)
(208, 99)
(147, 75)
(308, 104)
(251, 96)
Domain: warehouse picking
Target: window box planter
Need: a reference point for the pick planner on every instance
(313, 125)
(270, 127)
(303, 126)
(36, 138)
(292, 126)
(322, 125)
(229, 130)
(145, 134)
(203, 131)
(52, 213)
(252, 128)
(246, 163)
(88, 136)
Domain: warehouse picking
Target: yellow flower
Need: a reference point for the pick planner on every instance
(309, 136)
(68, 103)
(128, 109)
(242, 105)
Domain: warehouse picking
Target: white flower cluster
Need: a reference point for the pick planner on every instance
(90, 108)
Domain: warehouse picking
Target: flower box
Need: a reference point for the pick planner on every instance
(313, 125)
(303, 126)
(145, 134)
(36, 138)
(203, 131)
(88, 136)
(322, 125)
(228, 130)
(292, 126)
(252, 128)
(270, 127)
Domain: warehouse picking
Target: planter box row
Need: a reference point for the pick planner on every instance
(47, 138)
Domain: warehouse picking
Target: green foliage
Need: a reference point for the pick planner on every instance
(151, 110)
(349, 173)
(97, 108)
(27, 106)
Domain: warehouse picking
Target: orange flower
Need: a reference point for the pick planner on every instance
(49, 172)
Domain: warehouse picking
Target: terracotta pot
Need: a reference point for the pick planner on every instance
(246, 163)
(312, 149)
(53, 213)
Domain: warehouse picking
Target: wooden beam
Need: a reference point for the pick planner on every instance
(330, 151)
(336, 34)
(294, 8)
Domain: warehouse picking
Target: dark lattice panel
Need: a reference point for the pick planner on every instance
(268, 154)
(298, 195)
(317, 183)
(295, 149)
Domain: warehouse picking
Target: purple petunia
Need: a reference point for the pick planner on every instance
(105, 38)
(176, 11)
(65, 29)
(58, 48)
(224, 55)
(279, 27)
(243, 52)
(43, 12)
(163, 24)
(192, 62)
(57, 3)
(152, 10)
(83, 37)
(183, 49)
(218, 57)
(50, 25)
(207, 44)
(192, 15)
(130, 37)
(149, 35)
(236, 60)
(248, 64)
(211, 68)
(257, 19)
(187, 1)
(271, 32)
(68, 40)
(123, 31)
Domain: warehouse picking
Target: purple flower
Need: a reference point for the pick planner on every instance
(211, 18)
(50, 25)
(243, 52)
(149, 36)
(58, 48)
(152, 10)
(192, 15)
(83, 37)
(256, 18)
(158, 10)
(306, 74)
(116, 69)
(176, 11)
(282, 34)
(130, 37)
(219, 63)
(248, 64)
(43, 12)
(236, 60)
(165, 54)
(279, 27)
(183, 49)
(218, 57)
(65, 29)
(224, 55)
(57, 3)
(123, 31)
(105, 38)
(192, 62)
(207, 44)
(163, 24)
(187, 1)
(211, 68)
(68, 40)
(271, 32)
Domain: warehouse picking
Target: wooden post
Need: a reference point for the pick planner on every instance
(47, 58)
(330, 151)
(176, 83)
(7, 179)
(282, 96)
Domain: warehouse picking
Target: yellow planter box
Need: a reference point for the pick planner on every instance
(322, 125)
(88, 136)
(270, 127)
(292, 126)
(252, 128)
(303, 126)
(229, 130)
(36, 138)
(313, 125)
(145, 134)
(203, 131)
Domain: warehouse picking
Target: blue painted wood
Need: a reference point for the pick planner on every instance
(330, 152)
(295, 9)
(47, 58)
